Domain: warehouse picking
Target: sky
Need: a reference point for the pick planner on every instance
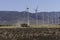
(21, 5)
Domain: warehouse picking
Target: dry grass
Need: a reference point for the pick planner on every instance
(34, 26)
(46, 26)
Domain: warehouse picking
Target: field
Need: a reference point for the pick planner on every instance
(33, 26)
(29, 33)
(40, 32)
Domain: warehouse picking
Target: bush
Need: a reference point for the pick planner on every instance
(59, 24)
(24, 25)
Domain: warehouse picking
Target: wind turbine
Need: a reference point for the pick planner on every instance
(43, 17)
(58, 19)
(52, 19)
(27, 9)
(55, 18)
(36, 10)
(48, 18)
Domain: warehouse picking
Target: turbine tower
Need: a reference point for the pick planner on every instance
(36, 10)
(58, 19)
(27, 9)
(43, 18)
(48, 18)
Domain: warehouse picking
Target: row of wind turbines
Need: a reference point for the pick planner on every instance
(36, 11)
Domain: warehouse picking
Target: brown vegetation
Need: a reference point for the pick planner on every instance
(30, 34)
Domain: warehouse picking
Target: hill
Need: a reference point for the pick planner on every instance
(14, 17)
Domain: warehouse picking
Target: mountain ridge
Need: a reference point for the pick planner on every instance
(12, 17)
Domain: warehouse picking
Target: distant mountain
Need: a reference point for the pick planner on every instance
(13, 17)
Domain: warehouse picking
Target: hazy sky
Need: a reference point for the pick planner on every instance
(20, 5)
